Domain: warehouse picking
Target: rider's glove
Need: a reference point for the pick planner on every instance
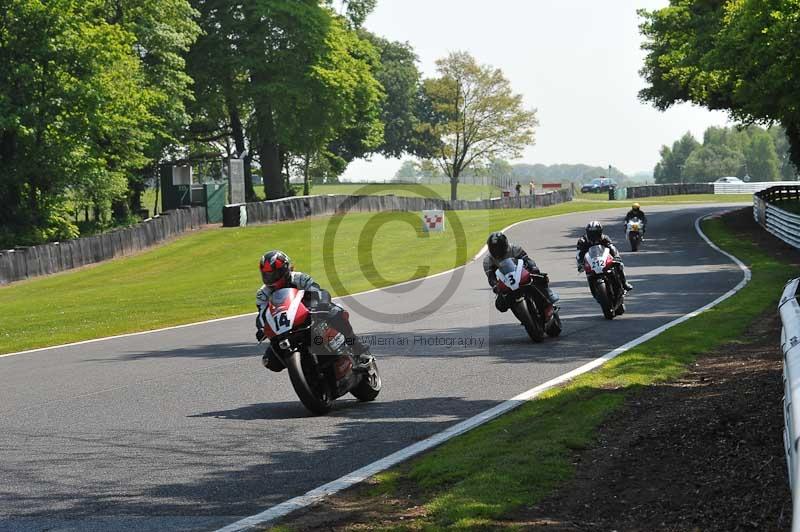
(495, 289)
(260, 335)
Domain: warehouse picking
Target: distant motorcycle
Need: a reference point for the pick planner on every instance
(528, 301)
(602, 273)
(319, 359)
(633, 232)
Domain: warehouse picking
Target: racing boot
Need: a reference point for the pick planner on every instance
(363, 358)
(625, 284)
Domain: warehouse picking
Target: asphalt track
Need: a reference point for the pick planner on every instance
(184, 430)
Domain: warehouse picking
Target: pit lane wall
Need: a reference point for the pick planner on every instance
(266, 212)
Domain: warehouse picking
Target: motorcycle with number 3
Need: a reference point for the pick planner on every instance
(317, 356)
(527, 299)
(601, 271)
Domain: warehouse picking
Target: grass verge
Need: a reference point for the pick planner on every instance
(476, 479)
(212, 274)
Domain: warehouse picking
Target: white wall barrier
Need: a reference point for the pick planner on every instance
(790, 345)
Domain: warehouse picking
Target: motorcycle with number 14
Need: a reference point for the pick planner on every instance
(319, 359)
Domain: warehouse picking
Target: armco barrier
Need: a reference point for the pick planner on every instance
(790, 345)
(781, 223)
(265, 212)
(26, 262)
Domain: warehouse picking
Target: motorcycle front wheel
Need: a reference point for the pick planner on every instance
(317, 398)
(601, 292)
(370, 385)
(554, 327)
(532, 326)
(635, 240)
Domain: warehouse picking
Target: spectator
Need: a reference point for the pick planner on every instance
(532, 187)
(518, 188)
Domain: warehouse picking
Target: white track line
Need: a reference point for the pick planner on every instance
(317, 494)
(193, 324)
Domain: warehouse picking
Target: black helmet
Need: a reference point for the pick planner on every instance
(594, 232)
(275, 268)
(498, 245)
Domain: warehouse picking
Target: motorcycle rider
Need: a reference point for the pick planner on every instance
(637, 212)
(277, 271)
(499, 250)
(594, 236)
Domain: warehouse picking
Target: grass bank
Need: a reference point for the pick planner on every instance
(213, 274)
(476, 480)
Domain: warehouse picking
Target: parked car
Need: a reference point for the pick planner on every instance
(599, 184)
(728, 180)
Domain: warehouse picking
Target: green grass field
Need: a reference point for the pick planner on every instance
(213, 273)
(476, 479)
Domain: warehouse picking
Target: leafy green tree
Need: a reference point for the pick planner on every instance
(673, 160)
(408, 169)
(163, 31)
(761, 157)
(399, 76)
(76, 113)
(709, 162)
(740, 56)
(477, 117)
(289, 78)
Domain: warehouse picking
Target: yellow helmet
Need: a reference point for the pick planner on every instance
(636, 205)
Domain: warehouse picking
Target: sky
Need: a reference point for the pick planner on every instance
(575, 61)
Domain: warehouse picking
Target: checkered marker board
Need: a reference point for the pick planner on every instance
(433, 221)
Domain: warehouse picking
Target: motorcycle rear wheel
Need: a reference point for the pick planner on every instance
(320, 400)
(370, 385)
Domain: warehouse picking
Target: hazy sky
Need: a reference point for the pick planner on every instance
(575, 61)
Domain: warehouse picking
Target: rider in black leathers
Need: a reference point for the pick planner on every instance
(594, 236)
(277, 272)
(499, 250)
(637, 212)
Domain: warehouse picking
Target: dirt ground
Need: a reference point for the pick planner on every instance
(702, 453)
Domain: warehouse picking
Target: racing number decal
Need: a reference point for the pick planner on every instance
(281, 320)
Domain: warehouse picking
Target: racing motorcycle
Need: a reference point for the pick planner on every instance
(603, 276)
(633, 231)
(527, 300)
(318, 357)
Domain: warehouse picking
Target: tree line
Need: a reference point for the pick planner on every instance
(762, 154)
(95, 95)
(739, 56)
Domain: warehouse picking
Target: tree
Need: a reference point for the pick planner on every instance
(163, 31)
(712, 161)
(476, 116)
(670, 168)
(409, 169)
(289, 78)
(399, 76)
(761, 157)
(76, 113)
(740, 56)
